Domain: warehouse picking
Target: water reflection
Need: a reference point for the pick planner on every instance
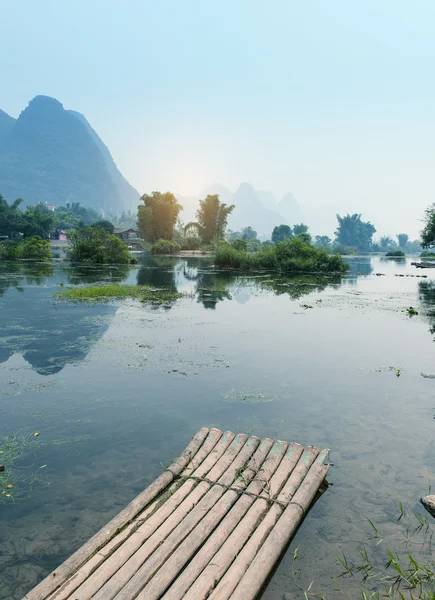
(47, 335)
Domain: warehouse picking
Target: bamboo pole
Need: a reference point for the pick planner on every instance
(147, 571)
(275, 544)
(177, 561)
(92, 546)
(125, 570)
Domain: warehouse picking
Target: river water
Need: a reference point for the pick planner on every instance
(114, 391)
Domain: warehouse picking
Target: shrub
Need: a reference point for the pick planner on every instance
(293, 255)
(191, 242)
(165, 247)
(90, 245)
(428, 254)
(395, 254)
(36, 248)
(255, 246)
(239, 244)
(344, 250)
(11, 250)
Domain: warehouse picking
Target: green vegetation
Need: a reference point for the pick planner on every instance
(403, 240)
(395, 254)
(93, 245)
(165, 247)
(103, 293)
(212, 217)
(158, 216)
(353, 231)
(239, 244)
(411, 311)
(398, 566)
(427, 254)
(34, 248)
(428, 233)
(281, 233)
(293, 255)
(34, 221)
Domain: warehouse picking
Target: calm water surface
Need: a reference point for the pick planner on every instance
(116, 390)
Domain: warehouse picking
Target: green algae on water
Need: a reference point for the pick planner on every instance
(104, 293)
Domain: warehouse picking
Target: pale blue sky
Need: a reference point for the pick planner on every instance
(332, 100)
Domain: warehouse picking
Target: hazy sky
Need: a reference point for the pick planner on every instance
(332, 100)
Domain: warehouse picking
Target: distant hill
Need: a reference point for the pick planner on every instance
(6, 124)
(256, 208)
(52, 155)
(290, 208)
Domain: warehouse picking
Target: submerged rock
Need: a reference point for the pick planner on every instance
(429, 503)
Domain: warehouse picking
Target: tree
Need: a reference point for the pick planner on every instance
(323, 241)
(240, 244)
(301, 228)
(93, 245)
(65, 219)
(386, 243)
(11, 218)
(38, 221)
(248, 234)
(212, 217)
(305, 237)
(87, 215)
(158, 216)
(104, 224)
(281, 233)
(352, 231)
(402, 238)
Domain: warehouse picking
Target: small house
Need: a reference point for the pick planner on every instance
(125, 234)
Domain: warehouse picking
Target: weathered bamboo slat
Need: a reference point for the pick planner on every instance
(213, 525)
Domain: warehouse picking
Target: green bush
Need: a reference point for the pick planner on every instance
(11, 250)
(395, 254)
(239, 244)
(165, 247)
(90, 245)
(254, 246)
(36, 248)
(290, 256)
(344, 250)
(191, 242)
(428, 254)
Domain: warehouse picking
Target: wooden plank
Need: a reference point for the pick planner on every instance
(230, 548)
(297, 475)
(237, 458)
(93, 579)
(177, 561)
(276, 542)
(83, 554)
(213, 526)
(134, 555)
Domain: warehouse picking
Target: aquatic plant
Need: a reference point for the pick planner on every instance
(395, 254)
(293, 255)
(384, 567)
(165, 247)
(411, 311)
(102, 293)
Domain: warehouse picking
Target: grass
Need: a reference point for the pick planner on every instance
(104, 293)
(399, 567)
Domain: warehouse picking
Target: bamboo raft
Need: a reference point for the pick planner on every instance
(213, 525)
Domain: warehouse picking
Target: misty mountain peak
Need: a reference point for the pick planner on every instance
(52, 155)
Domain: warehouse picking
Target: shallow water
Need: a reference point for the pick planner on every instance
(116, 390)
